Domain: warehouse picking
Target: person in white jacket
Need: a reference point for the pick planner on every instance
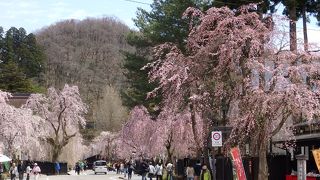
(152, 171)
(13, 171)
(159, 169)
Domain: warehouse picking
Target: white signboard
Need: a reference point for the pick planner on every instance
(216, 137)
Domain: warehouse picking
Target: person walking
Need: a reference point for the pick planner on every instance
(205, 173)
(130, 169)
(57, 168)
(190, 172)
(152, 171)
(36, 171)
(144, 169)
(125, 170)
(21, 170)
(13, 171)
(159, 169)
(1, 170)
(121, 167)
(197, 170)
(28, 171)
(81, 164)
(118, 167)
(77, 168)
(169, 168)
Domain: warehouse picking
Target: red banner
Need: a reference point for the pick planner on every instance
(237, 162)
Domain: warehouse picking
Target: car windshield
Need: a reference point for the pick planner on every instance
(100, 163)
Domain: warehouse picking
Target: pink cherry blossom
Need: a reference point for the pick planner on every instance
(63, 112)
(230, 75)
(20, 129)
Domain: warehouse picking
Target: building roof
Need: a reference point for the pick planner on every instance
(18, 99)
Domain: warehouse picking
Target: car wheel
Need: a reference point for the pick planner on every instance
(105, 173)
(95, 173)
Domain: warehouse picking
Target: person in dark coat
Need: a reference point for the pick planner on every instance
(197, 170)
(77, 168)
(130, 169)
(21, 170)
(144, 169)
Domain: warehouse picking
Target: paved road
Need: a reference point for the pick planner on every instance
(88, 175)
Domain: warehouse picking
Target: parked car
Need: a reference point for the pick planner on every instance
(100, 166)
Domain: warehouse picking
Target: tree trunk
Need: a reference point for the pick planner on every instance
(194, 130)
(56, 152)
(263, 165)
(293, 25)
(169, 155)
(305, 33)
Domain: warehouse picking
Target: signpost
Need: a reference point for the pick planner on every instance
(216, 138)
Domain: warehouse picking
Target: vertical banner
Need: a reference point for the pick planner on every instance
(316, 156)
(237, 162)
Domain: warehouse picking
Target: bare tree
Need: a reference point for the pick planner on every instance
(87, 54)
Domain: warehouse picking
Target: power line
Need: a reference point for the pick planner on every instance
(139, 2)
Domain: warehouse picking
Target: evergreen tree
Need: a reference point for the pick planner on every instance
(295, 9)
(1, 44)
(21, 61)
(12, 79)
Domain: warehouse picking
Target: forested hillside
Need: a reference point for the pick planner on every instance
(88, 53)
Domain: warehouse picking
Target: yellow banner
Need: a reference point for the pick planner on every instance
(316, 155)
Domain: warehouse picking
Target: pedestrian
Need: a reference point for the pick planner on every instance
(1, 170)
(77, 168)
(57, 168)
(197, 170)
(144, 169)
(13, 171)
(159, 169)
(130, 169)
(121, 167)
(118, 167)
(169, 168)
(28, 171)
(81, 164)
(152, 171)
(205, 173)
(125, 170)
(190, 172)
(85, 165)
(21, 170)
(36, 171)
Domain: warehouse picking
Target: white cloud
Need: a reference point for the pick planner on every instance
(78, 14)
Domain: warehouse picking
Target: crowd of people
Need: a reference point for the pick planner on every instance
(80, 167)
(123, 167)
(148, 169)
(159, 171)
(20, 169)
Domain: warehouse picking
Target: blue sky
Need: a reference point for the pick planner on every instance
(35, 14)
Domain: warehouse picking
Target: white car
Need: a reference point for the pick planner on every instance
(100, 167)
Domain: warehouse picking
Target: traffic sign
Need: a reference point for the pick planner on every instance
(216, 138)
